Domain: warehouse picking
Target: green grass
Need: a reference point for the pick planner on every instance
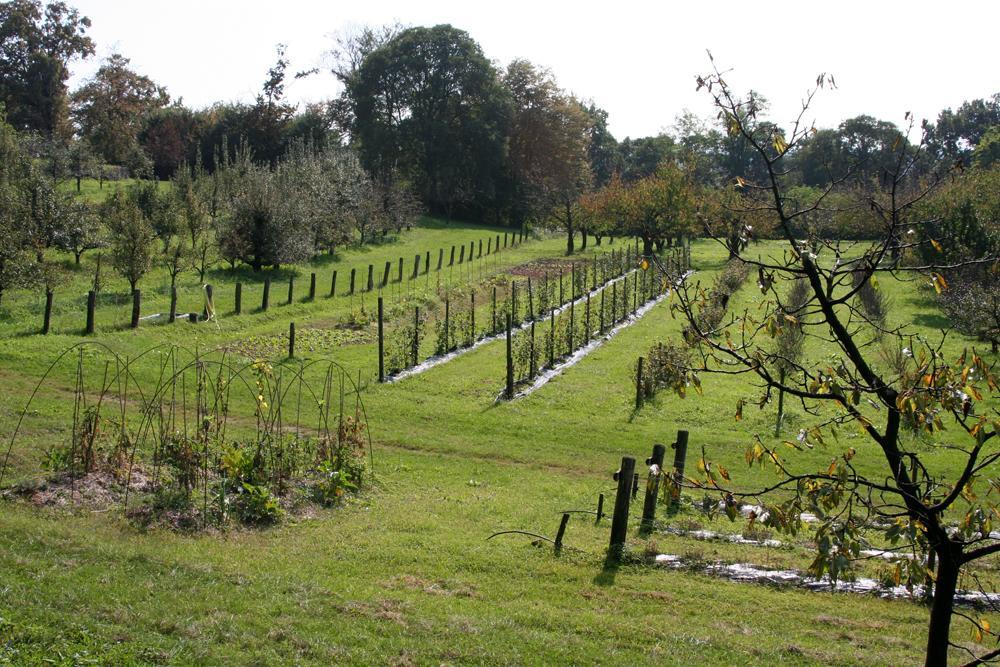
(404, 574)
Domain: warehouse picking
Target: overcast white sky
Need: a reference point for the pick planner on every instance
(637, 60)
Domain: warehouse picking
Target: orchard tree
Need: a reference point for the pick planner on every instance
(889, 486)
(80, 230)
(130, 236)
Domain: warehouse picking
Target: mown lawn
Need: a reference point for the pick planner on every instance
(404, 574)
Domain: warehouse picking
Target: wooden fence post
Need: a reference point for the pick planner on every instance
(312, 286)
(561, 532)
(505, 239)
(440, 258)
(239, 298)
(381, 344)
(91, 307)
(427, 262)
(333, 284)
(385, 273)
(136, 301)
(509, 390)
(291, 288)
(353, 271)
(600, 507)
(291, 340)
(266, 297)
(416, 266)
(480, 254)
(652, 487)
(399, 277)
(371, 277)
(451, 260)
(680, 454)
(619, 520)
(489, 246)
(47, 320)
(461, 254)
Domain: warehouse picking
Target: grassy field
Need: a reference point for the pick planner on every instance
(404, 574)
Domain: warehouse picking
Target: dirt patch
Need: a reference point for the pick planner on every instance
(380, 610)
(537, 269)
(99, 490)
(441, 587)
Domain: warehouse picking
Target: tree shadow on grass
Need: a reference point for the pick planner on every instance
(609, 571)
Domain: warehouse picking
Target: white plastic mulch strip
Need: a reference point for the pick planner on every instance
(439, 359)
(746, 573)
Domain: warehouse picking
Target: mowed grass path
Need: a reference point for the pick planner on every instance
(404, 574)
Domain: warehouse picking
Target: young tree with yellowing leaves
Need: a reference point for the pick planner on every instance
(938, 520)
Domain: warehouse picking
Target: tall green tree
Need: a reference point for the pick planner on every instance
(429, 105)
(110, 108)
(37, 43)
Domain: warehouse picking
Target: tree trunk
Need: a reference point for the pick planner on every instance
(941, 608)
(76, 256)
(647, 245)
(78, 184)
(569, 229)
(597, 239)
(583, 237)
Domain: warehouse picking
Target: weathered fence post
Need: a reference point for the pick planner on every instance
(171, 316)
(427, 262)
(652, 487)
(451, 260)
(509, 390)
(239, 298)
(680, 454)
(385, 273)
(291, 288)
(399, 273)
(291, 340)
(266, 296)
(416, 266)
(381, 343)
(619, 520)
(333, 284)
(489, 246)
(91, 307)
(638, 384)
(47, 320)
(353, 272)
(312, 286)
(561, 532)
(600, 507)
(209, 302)
(136, 301)
(505, 239)
(480, 254)
(461, 255)
(371, 277)
(440, 258)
